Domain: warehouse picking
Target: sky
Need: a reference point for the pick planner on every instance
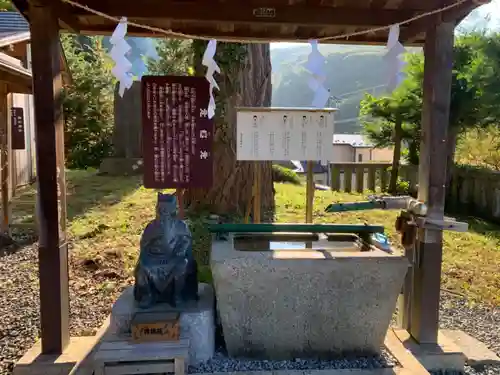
(486, 16)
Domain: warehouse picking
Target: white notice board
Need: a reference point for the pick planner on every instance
(285, 134)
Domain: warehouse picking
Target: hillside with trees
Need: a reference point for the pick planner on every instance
(351, 71)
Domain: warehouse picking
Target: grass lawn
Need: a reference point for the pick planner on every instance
(106, 216)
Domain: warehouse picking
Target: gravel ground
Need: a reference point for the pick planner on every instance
(94, 290)
(91, 299)
(479, 321)
(221, 363)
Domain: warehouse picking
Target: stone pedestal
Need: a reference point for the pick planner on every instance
(197, 321)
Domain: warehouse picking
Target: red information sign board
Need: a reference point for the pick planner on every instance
(17, 123)
(177, 134)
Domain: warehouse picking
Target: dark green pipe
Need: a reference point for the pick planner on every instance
(355, 206)
(297, 228)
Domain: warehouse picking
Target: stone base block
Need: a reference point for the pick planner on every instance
(445, 356)
(121, 167)
(197, 321)
(476, 353)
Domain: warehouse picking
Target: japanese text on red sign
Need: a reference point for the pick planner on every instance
(177, 135)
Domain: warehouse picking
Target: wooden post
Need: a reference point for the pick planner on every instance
(309, 192)
(5, 158)
(335, 177)
(426, 271)
(257, 192)
(49, 130)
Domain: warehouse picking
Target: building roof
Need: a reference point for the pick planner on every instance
(13, 37)
(355, 140)
(257, 20)
(13, 28)
(13, 22)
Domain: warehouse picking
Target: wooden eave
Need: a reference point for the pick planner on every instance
(258, 20)
(15, 38)
(22, 39)
(17, 78)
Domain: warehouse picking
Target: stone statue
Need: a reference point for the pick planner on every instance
(166, 270)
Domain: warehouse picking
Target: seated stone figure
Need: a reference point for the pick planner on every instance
(166, 270)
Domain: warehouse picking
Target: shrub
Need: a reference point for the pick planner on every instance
(88, 103)
(402, 187)
(282, 174)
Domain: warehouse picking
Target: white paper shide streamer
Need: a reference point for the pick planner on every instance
(212, 67)
(118, 53)
(394, 59)
(316, 65)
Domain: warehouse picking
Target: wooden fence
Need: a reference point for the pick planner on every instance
(470, 192)
(359, 177)
(475, 192)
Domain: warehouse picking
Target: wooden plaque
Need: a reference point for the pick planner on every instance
(148, 327)
(17, 124)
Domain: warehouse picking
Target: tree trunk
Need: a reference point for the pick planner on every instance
(398, 130)
(242, 83)
(413, 152)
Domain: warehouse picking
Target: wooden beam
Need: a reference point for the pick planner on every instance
(49, 130)
(377, 4)
(424, 319)
(264, 35)
(65, 70)
(415, 30)
(5, 154)
(62, 11)
(300, 15)
(15, 88)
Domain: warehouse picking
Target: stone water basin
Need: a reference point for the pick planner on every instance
(289, 295)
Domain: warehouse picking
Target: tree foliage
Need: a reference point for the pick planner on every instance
(474, 101)
(176, 58)
(480, 148)
(404, 105)
(7, 6)
(88, 103)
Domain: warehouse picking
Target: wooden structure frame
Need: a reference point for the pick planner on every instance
(15, 78)
(243, 20)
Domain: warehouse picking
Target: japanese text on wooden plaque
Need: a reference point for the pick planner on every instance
(17, 123)
(160, 331)
(285, 134)
(177, 133)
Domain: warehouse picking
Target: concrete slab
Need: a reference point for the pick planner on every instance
(405, 358)
(446, 355)
(476, 353)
